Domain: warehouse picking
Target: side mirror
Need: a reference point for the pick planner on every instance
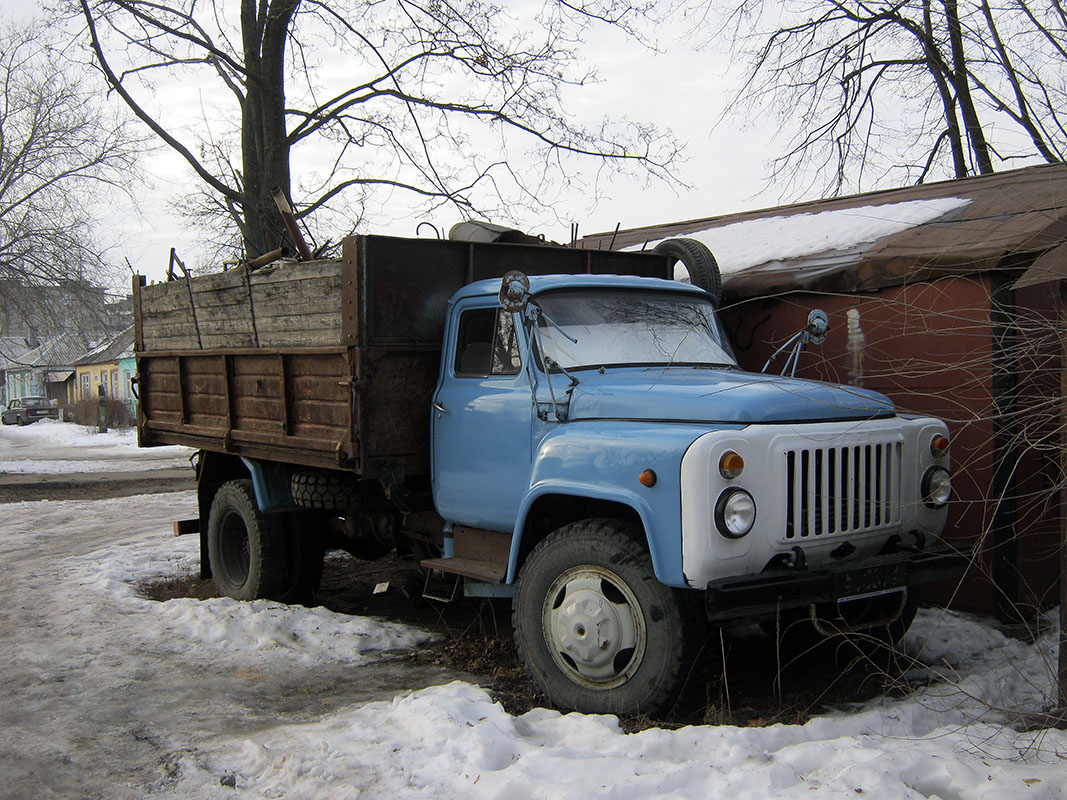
(818, 325)
(514, 291)
(812, 333)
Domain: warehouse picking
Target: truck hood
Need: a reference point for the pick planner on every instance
(687, 394)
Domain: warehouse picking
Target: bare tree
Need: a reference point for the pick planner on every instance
(435, 99)
(59, 153)
(912, 88)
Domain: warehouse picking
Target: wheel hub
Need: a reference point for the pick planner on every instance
(591, 618)
(588, 628)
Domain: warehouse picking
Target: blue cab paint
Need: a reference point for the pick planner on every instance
(502, 444)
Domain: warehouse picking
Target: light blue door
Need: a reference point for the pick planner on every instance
(481, 422)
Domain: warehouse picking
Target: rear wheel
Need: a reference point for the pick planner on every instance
(246, 547)
(305, 536)
(595, 628)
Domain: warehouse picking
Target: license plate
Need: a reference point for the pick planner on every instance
(870, 580)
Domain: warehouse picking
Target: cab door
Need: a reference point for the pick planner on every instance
(481, 420)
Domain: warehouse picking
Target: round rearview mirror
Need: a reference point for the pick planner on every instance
(514, 291)
(818, 325)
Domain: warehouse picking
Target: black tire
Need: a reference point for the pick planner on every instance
(247, 548)
(305, 536)
(20, 420)
(328, 491)
(597, 575)
(698, 260)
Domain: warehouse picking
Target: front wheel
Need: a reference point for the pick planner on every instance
(595, 628)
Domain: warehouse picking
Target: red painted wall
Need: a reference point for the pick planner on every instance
(929, 347)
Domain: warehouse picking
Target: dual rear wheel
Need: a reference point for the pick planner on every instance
(255, 556)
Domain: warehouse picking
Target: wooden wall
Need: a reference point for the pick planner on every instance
(282, 305)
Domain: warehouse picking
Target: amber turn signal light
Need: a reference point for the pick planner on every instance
(731, 465)
(938, 446)
(647, 478)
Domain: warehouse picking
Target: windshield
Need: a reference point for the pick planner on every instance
(631, 328)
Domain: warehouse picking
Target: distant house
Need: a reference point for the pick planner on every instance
(948, 297)
(47, 370)
(12, 349)
(43, 327)
(109, 365)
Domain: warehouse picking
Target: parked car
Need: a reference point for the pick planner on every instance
(24, 410)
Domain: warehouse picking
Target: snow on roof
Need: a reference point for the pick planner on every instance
(884, 238)
(749, 243)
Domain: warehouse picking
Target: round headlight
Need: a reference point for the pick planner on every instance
(735, 513)
(937, 487)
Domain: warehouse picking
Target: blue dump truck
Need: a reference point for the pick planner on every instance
(567, 428)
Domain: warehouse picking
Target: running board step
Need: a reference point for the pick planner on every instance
(488, 571)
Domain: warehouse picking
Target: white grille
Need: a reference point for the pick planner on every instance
(835, 490)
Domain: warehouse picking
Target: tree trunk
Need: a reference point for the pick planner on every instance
(938, 70)
(961, 83)
(265, 149)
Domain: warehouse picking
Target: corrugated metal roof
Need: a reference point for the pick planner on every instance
(109, 350)
(1017, 213)
(61, 351)
(12, 348)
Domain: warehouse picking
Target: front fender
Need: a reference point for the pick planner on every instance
(601, 460)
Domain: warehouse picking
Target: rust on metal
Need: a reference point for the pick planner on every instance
(251, 305)
(266, 258)
(285, 389)
(350, 259)
(290, 223)
(183, 527)
(183, 411)
(138, 333)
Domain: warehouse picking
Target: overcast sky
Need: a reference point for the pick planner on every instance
(681, 88)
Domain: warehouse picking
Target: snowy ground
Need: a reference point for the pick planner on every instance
(110, 695)
(49, 446)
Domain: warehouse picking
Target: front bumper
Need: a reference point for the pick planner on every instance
(762, 595)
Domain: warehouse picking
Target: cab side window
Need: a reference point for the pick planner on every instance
(488, 344)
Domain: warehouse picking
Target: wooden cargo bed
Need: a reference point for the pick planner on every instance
(327, 363)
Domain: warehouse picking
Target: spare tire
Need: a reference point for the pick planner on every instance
(328, 491)
(698, 260)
